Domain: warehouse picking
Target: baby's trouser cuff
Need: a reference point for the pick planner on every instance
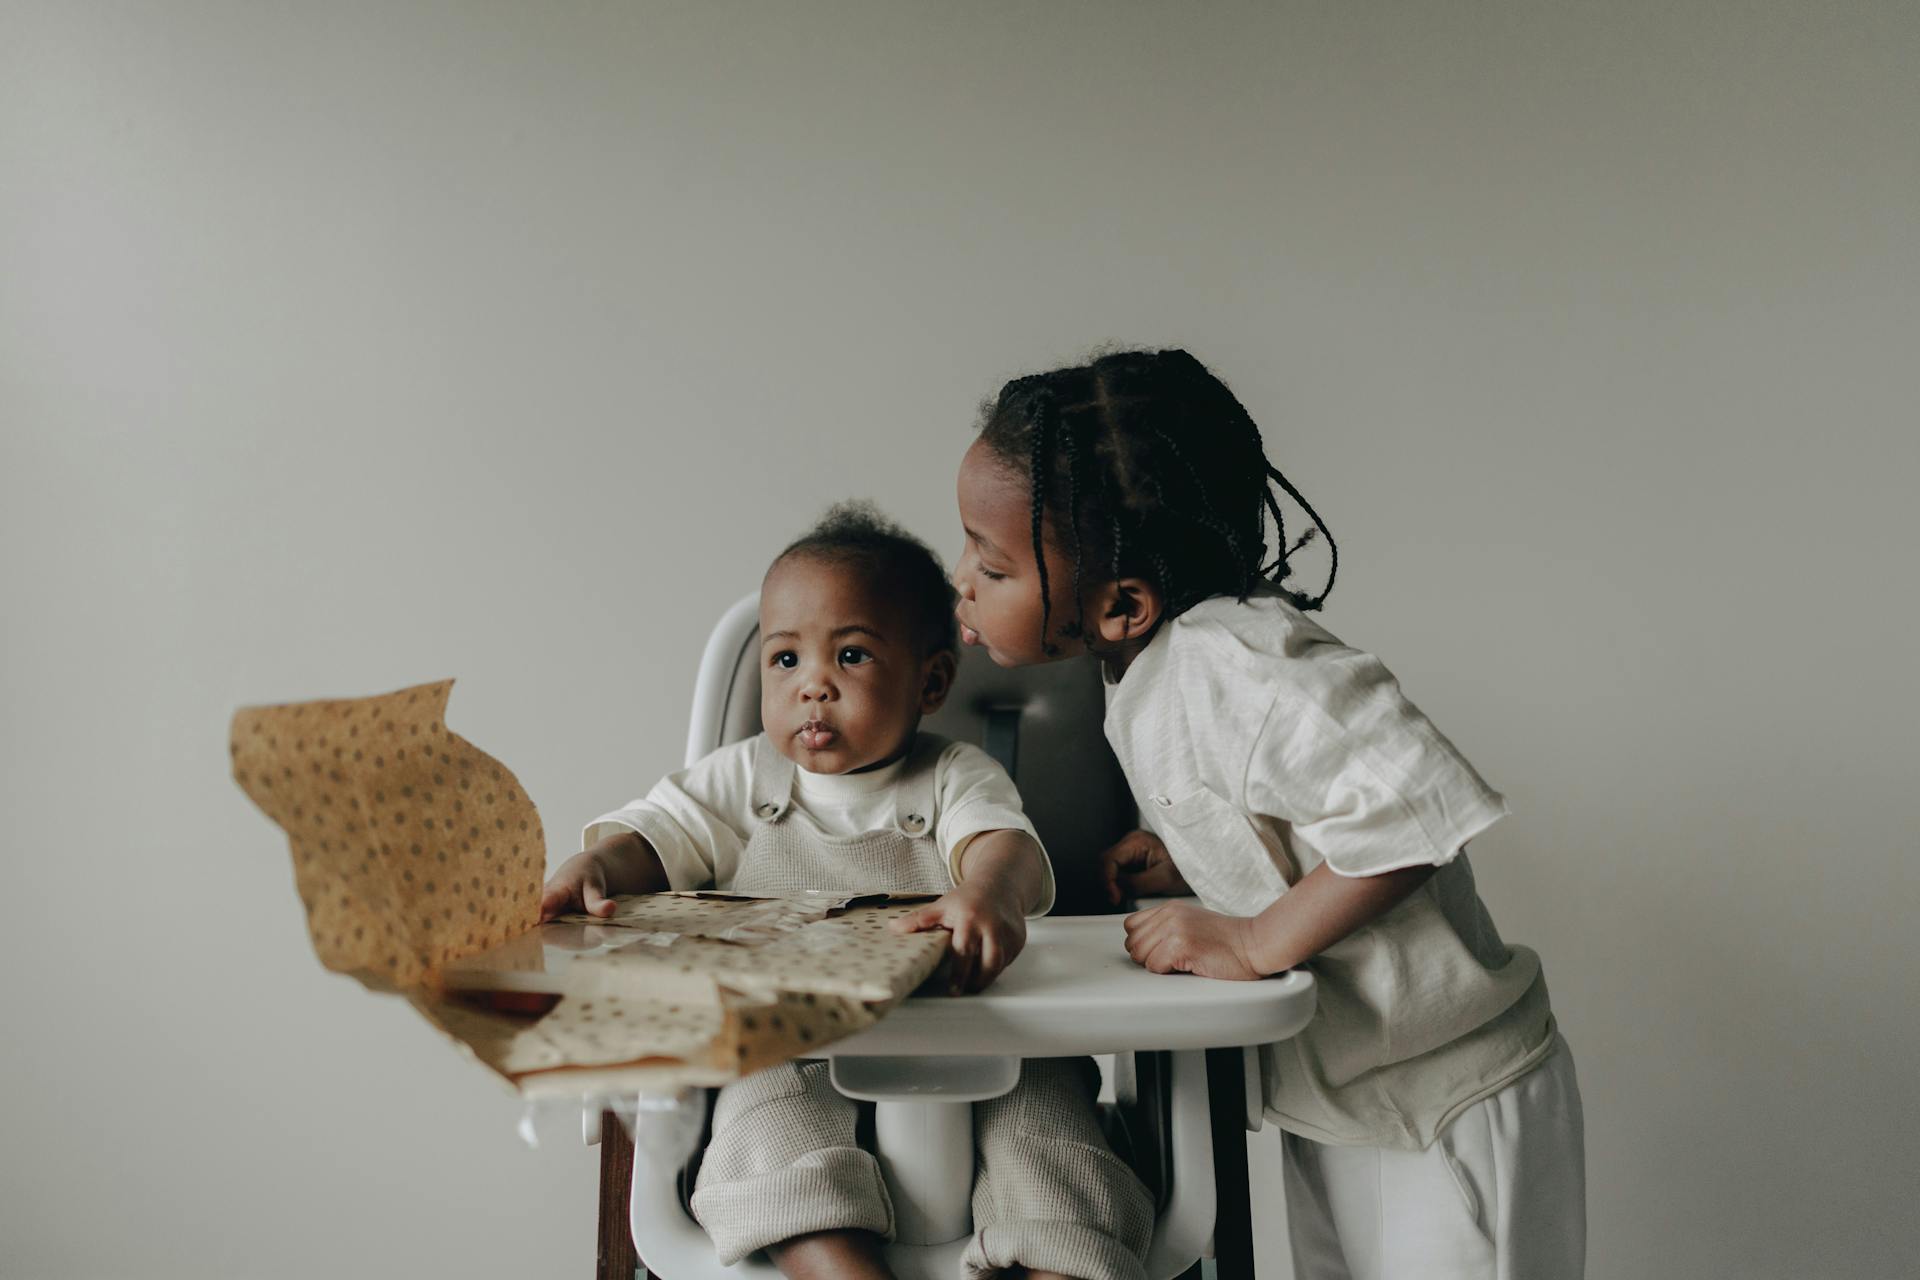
(1071, 1248)
(1050, 1194)
(784, 1162)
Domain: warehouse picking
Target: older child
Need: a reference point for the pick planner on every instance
(1432, 1118)
(843, 792)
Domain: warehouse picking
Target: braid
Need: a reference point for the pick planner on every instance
(1269, 503)
(1208, 517)
(1282, 552)
(1163, 572)
(1070, 441)
(1304, 602)
(1039, 464)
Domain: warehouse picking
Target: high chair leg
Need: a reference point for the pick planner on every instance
(616, 1258)
(1233, 1216)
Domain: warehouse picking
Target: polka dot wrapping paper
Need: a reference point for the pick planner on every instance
(419, 856)
(411, 846)
(846, 949)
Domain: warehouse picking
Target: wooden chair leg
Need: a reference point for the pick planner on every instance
(1233, 1221)
(616, 1258)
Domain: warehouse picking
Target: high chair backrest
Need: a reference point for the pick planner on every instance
(1042, 723)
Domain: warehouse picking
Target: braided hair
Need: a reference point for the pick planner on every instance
(1147, 461)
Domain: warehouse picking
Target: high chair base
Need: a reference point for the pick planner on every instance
(1231, 1244)
(1206, 1212)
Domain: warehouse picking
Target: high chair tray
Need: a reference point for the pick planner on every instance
(1075, 990)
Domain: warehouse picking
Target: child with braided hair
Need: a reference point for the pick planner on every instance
(1297, 808)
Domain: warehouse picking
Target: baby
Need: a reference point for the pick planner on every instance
(843, 792)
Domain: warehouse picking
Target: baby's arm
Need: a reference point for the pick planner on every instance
(1002, 877)
(1007, 865)
(673, 838)
(620, 863)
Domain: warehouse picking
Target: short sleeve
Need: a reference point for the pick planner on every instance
(1361, 775)
(976, 795)
(694, 819)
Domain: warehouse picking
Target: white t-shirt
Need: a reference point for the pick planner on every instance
(700, 818)
(1258, 746)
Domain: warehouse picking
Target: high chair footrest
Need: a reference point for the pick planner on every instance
(927, 1079)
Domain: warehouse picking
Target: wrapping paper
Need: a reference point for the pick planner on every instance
(419, 859)
(411, 846)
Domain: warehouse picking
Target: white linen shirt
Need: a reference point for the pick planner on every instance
(699, 819)
(1257, 746)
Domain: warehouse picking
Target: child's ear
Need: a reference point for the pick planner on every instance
(1128, 610)
(937, 682)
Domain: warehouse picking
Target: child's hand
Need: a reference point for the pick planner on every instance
(1178, 937)
(1139, 864)
(988, 932)
(579, 885)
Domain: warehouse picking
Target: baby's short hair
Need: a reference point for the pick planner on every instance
(856, 533)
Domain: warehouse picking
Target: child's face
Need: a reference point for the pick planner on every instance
(998, 583)
(842, 684)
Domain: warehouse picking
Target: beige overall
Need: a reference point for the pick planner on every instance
(784, 1160)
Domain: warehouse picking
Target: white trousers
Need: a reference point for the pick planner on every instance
(1500, 1195)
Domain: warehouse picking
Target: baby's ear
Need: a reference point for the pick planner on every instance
(1128, 609)
(936, 682)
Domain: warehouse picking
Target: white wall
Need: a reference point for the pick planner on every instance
(343, 347)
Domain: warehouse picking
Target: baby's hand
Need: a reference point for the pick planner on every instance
(1179, 937)
(579, 885)
(988, 932)
(1138, 863)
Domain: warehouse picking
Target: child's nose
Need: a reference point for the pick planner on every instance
(818, 687)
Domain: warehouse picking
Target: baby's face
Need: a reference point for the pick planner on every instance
(842, 685)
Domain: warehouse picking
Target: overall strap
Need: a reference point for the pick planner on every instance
(915, 804)
(772, 781)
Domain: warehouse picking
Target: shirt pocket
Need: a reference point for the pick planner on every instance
(1215, 845)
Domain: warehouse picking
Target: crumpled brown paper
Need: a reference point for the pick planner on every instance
(411, 846)
(831, 946)
(419, 858)
(680, 1003)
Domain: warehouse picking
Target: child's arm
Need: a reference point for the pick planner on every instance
(1138, 863)
(1363, 778)
(1323, 908)
(1002, 878)
(620, 863)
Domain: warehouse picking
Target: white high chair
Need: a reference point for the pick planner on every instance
(1185, 1075)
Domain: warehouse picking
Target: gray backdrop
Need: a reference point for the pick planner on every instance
(347, 346)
